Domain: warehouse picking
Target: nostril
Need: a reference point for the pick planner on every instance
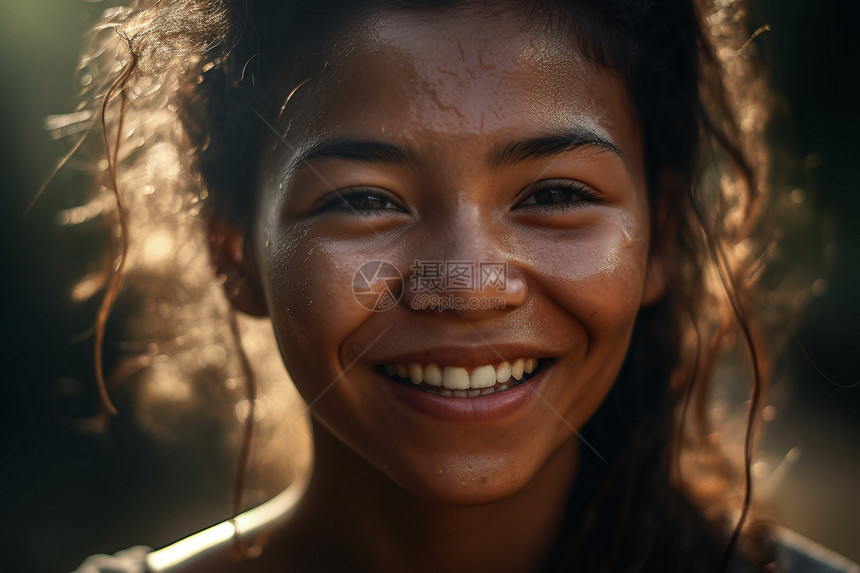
(514, 287)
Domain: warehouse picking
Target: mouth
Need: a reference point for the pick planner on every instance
(464, 382)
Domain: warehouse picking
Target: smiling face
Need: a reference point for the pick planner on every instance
(456, 136)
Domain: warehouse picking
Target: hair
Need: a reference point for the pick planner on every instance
(222, 67)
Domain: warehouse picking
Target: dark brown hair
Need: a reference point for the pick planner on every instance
(231, 63)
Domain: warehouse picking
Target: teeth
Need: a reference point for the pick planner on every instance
(416, 372)
(516, 369)
(483, 377)
(503, 372)
(433, 375)
(458, 381)
(455, 378)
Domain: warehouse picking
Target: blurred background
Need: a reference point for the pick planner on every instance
(67, 491)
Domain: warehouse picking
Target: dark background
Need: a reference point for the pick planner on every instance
(66, 493)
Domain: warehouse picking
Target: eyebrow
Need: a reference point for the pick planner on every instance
(358, 150)
(554, 143)
(363, 151)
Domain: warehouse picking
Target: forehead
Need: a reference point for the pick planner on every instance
(459, 76)
(468, 62)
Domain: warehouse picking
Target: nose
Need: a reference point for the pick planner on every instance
(462, 267)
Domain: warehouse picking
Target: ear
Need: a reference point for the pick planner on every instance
(664, 237)
(235, 265)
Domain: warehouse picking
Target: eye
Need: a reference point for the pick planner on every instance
(559, 194)
(361, 201)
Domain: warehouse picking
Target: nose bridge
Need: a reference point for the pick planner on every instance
(455, 245)
(466, 234)
(461, 263)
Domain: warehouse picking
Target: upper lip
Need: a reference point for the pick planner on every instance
(467, 355)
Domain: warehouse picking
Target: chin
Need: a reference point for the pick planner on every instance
(467, 480)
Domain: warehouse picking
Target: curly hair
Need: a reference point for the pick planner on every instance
(222, 66)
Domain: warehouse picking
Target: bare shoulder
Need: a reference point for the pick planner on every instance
(132, 560)
(215, 550)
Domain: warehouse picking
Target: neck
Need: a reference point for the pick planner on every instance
(358, 518)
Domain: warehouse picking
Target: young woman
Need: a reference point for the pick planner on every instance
(502, 246)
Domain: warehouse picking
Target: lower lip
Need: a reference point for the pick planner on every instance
(492, 407)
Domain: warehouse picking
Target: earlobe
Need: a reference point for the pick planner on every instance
(235, 266)
(664, 237)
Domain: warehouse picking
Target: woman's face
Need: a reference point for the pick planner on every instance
(446, 143)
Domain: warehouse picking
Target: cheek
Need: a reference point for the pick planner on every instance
(309, 287)
(595, 280)
(597, 276)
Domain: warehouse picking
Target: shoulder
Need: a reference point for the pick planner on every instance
(214, 549)
(132, 560)
(797, 554)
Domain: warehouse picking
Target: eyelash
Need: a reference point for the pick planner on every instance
(581, 195)
(339, 201)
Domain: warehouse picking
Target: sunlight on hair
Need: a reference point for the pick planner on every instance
(181, 370)
(179, 360)
(95, 207)
(157, 249)
(163, 160)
